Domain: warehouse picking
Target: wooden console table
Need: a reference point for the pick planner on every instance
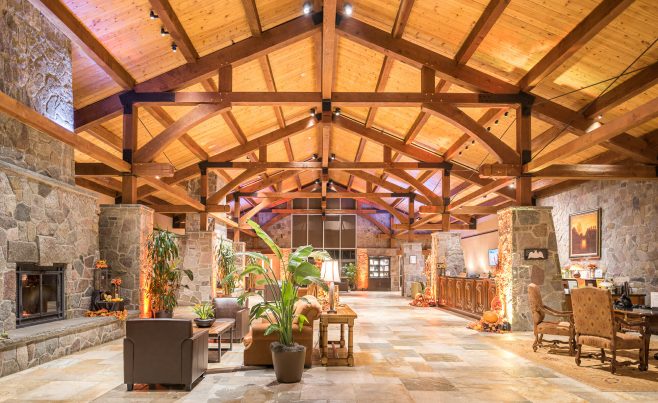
(344, 316)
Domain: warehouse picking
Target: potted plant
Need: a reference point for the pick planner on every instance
(164, 279)
(205, 313)
(226, 267)
(287, 356)
(349, 270)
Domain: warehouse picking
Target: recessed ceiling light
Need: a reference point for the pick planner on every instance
(337, 111)
(307, 8)
(506, 113)
(174, 47)
(599, 117)
(312, 112)
(347, 9)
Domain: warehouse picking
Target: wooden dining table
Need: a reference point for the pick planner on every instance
(650, 317)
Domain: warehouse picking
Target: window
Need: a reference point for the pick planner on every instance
(332, 231)
(299, 230)
(379, 267)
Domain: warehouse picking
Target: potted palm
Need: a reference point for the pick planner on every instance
(226, 265)
(287, 356)
(349, 270)
(164, 279)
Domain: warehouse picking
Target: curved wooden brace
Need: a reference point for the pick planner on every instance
(256, 209)
(395, 213)
(216, 197)
(494, 145)
(196, 116)
(406, 177)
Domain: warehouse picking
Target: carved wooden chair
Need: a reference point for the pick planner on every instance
(598, 326)
(542, 327)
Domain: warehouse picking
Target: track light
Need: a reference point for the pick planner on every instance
(512, 185)
(460, 153)
(307, 8)
(163, 31)
(484, 197)
(337, 111)
(312, 112)
(174, 47)
(489, 128)
(317, 181)
(472, 141)
(153, 15)
(599, 117)
(506, 114)
(330, 182)
(496, 122)
(466, 148)
(347, 9)
(157, 176)
(315, 156)
(332, 157)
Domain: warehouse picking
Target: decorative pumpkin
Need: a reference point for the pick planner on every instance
(490, 317)
(418, 295)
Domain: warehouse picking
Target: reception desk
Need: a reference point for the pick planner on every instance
(468, 296)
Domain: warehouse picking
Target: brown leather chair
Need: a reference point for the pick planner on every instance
(598, 326)
(257, 344)
(542, 327)
(164, 351)
(227, 308)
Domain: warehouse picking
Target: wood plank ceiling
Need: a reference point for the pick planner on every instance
(585, 61)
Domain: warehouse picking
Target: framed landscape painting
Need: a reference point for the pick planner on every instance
(585, 234)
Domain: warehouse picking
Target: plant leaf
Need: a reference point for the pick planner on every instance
(266, 238)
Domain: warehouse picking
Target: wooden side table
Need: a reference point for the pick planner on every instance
(344, 316)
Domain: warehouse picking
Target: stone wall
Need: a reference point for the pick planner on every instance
(448, 251)
(523, 228)
(629, 221)
(198, 254)
(412, 272)
(35, 69)
(124, 230)
(192, 220)
(45, 222)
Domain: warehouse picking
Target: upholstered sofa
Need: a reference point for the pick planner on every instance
(227, 308)
(164, 351)
(257, 344)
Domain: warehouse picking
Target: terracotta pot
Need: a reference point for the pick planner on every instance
(163, 314)
(204, 322)
(288, 362)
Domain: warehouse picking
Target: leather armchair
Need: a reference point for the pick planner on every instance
(597, 326)
(541, 326)
(164, 351)
(257, 344)
(227, 308)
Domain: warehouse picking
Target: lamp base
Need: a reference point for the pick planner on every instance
(332, 311)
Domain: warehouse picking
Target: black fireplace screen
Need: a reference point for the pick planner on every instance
(39, 294)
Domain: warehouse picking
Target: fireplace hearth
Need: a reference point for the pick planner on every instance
(39, 294)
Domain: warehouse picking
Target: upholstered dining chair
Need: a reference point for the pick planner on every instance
(598, 326)
(541, 326)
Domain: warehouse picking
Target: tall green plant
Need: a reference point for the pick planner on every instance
(164, 279)
(297, 272)
(349, 270)
(226, 267)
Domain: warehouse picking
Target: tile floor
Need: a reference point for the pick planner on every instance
(403, 354)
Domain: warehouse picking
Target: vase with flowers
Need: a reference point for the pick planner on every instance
(116, 283)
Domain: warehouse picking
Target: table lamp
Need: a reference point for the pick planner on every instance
(331, 274)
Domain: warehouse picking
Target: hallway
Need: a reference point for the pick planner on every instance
(402, 354)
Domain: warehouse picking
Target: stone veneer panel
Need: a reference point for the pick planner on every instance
(523, 228)
(412, 271)
(192, 220)
(198, 253)
(35, 69)
(447, 247)
(45, 221)
(629, 225)
(124, 231)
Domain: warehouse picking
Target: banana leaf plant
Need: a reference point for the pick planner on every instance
(297, 271)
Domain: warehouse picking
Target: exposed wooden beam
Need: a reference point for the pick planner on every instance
(488, 117)
(157, 169)
(419, 186)
(106, 136)
(92, 185)
(606, 132)
(376, 223)
(597, 171)
(317, 166)
(249, 173)
(172, 133)
(589, 27)
(328, 46)
(633, 86)
(253, 20)
(175, 192)
(481, 192)
(172, 24)
(184, 208)
(35, 120)
(94, 169)
(69, 25)
(501, 151)
(204, 67)
(473, 210)
(491, 13)
(318, 195)
(434, 227)
(166, 120)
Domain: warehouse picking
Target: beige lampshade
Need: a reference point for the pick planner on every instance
(330, 271)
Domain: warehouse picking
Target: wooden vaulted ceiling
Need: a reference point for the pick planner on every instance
(567, 53)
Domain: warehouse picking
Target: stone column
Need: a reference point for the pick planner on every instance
(523, 228)
(192, 187)
(124, 230)
(412, 271)
(198, 254)
(447, 247)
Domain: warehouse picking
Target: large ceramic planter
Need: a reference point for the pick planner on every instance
(288, 362)
(163, 314)
(204, 322)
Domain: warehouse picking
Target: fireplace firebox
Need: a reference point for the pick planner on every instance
(39, 294)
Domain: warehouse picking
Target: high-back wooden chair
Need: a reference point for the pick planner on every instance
(541, 326)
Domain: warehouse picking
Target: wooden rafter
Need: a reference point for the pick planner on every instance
(166, 120)
(249, 173)
(328, 46)
(491, 13)
(170, 21)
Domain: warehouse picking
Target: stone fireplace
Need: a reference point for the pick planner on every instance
(39, 294)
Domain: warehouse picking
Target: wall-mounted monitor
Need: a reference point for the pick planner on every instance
(493, 257)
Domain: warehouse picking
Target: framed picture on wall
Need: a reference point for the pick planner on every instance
(585, 234)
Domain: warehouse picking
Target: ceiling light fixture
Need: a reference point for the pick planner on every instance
(472, 141)
(307, 8)
(315, 156)
(506, 114)
(317, 181)
(153, 15)
(512, 185)
(174, 47)
(496, 122)
(489, 128)
(163, 31)
(347, 9)
(599, 117)
(312, 112)
(333, 157)
(337, 111)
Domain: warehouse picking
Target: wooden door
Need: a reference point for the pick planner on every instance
(379, 273)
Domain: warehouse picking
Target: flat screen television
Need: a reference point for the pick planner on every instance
(493, 257)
